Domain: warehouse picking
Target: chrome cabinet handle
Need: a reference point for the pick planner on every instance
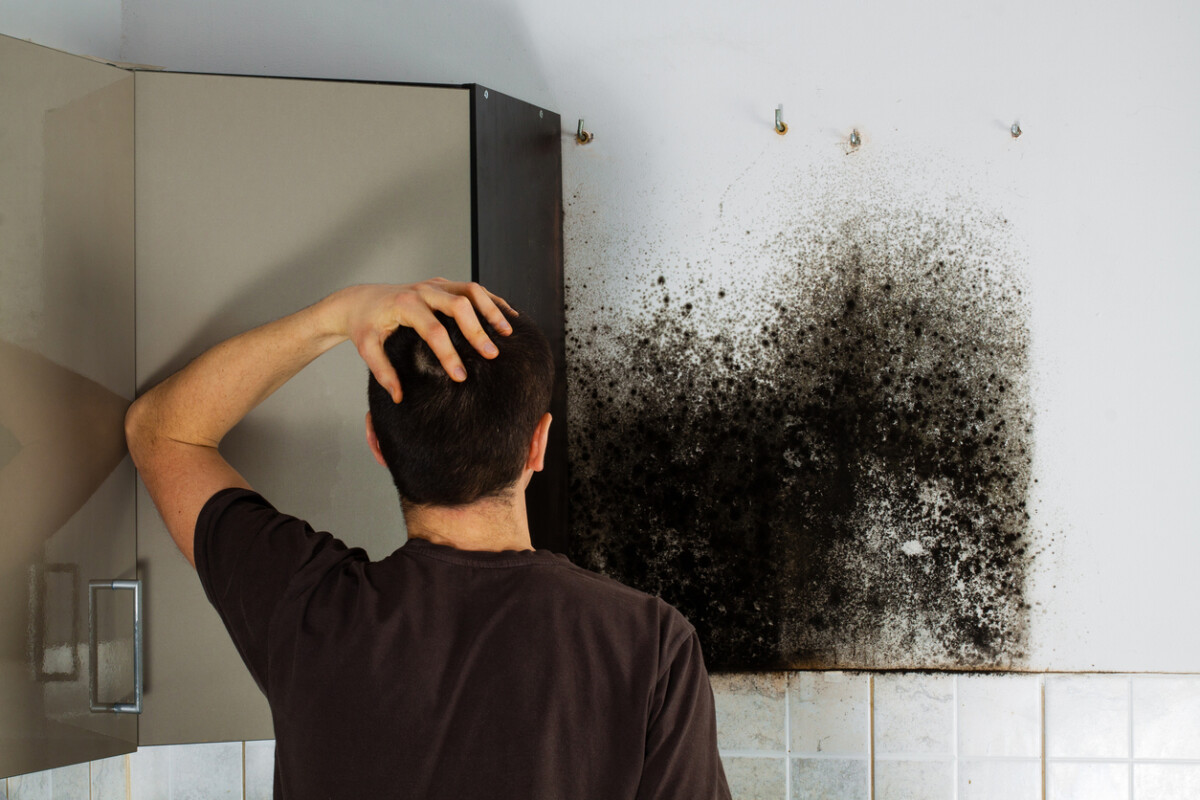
(93, 648)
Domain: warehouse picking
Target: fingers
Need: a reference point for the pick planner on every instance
(461, 301)
(434, 333)
(488, 304)
(371, 350)
(415, 308)
(489, 300)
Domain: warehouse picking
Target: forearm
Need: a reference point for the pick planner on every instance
(200, 404)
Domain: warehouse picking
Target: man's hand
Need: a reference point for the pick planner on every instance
(369, 314)
(173, 430)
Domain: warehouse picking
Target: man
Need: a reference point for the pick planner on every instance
(466, 664)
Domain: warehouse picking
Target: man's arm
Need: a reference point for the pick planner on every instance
(174, 429)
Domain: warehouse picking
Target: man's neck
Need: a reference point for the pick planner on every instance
(494, 524)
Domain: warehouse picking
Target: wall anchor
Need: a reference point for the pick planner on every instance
(582, 136)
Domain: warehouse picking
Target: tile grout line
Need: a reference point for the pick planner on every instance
(1129, 752)
(871, 736)
(955, 723)
(787, 735)
(1042, 730)
(244, 771)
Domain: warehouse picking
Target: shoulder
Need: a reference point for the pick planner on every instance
(241, 538)
(609, 597)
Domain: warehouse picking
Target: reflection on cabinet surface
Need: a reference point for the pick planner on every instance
(66, 377)
(255, 198)
(252, 198)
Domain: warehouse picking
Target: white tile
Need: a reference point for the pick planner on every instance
(830, 779)
(914, 714)
(61, 783)
(187, 772)
(750, 710)
(206, 771)
(999, 715)
(1166, 717)
(829, 713)
(1166, 781)
(914, 780)
(260, 770)
(31, 786)
(1087, 781)
(999, 780)
(150, 773)
(110, 778)
(756, 778)
(1087, 716)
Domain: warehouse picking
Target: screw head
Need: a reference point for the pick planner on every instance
(855, 139)
(485, 94)
(1015, 130)
(541, 113)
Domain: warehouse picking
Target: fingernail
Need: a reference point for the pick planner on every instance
(460, 373)
(490, 349)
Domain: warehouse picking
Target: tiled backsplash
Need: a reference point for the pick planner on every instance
(941, 736)
(836, 735)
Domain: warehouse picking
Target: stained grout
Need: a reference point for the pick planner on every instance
(954, 716)
(871, 736)
(787, 735)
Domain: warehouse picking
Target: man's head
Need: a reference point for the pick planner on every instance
(451, 444)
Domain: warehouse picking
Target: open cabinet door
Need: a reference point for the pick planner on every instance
(67, 652)
(256, 197)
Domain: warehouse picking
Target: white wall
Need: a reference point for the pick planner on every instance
(686, 172)
(84, 27)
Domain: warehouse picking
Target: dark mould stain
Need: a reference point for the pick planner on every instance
(838, 477)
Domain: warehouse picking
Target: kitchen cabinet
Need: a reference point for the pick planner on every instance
(252, 197)
(66, 377)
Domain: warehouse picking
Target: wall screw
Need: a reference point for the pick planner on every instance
(1015, 130)
(780, 125)
(855, 139)
(582, 136)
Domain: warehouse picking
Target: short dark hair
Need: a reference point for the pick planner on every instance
(448, 443)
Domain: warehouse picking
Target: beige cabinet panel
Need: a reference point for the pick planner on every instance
(256, 196)
(66, 377)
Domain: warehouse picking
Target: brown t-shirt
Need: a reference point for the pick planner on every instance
(446, 673)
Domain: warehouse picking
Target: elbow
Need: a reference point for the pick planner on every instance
(138, 428)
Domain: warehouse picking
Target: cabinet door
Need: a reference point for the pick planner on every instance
(66, 377)
(255, 197)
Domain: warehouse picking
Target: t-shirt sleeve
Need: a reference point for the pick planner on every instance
(248, 556)
(681, 741)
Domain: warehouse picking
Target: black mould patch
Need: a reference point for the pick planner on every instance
(829, 469)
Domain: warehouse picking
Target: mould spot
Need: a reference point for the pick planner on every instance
(833, 473)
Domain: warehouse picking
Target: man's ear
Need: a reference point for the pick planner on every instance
(373, 441)
(537, 446)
